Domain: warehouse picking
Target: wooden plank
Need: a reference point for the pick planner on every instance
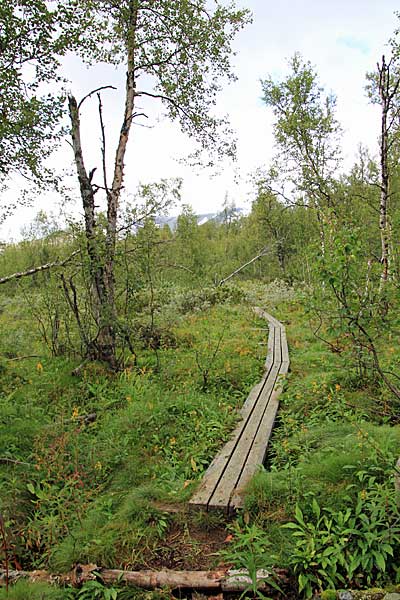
(278, 347)
(258, 451)
(270, 348)
(255, 391)
(227, 483)
(217, 467)
(251, 399)
(226, 478)
(285, 350)
(215, 471)
(270, 318)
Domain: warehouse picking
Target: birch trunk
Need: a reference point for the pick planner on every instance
(386, 95)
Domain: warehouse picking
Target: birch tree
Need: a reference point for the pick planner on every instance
(384, 88)
(175, 53)
(34, 35)
(306, 132)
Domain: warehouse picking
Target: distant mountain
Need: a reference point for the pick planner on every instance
(201, 219)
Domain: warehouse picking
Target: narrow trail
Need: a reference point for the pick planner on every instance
(224, 483)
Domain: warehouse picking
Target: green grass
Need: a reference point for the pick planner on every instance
(335, 442)
(23, 590)
(88, 493)
(99, 492)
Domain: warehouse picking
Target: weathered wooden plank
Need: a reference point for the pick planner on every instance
(257, 453)
(226, 478)
(270, 348)
(251, 399)
(277, 347)
(263, 314)
(217, 467)
(259, 448)
(285, 350)
(214, 472)
(227, 483)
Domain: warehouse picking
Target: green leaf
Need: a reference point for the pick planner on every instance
(31, 489)
(316, 508)
(299, 515)
(380, 560)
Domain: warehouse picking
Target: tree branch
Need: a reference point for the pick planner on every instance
(265, 251)
(39, 269)
(103, 87)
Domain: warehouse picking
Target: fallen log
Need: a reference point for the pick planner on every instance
(224, 579)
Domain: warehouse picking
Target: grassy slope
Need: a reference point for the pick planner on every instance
(333, 452)
(95, 493)
(90, 493)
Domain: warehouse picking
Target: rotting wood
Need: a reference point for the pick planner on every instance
(225, 481)
(220, 579)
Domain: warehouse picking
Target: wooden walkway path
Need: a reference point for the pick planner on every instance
(224, 482)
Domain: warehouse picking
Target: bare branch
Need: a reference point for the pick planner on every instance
(103, 87)
(39, 269)
(103, 144)
(265, 251)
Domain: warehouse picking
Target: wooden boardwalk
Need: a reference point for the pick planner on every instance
(223, 485)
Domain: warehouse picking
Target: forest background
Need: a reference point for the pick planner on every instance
(112, 320)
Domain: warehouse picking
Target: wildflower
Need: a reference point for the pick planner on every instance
(39, 367)
(172, 441)
(338, 387)
(98, 466)
(75, 412)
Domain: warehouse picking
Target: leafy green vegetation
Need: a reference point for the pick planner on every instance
(128, 348)
(88, 490)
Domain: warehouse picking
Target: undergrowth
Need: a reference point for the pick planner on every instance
(92, 464)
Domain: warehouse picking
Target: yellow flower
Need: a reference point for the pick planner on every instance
(363, 494)
(172, 441)
(337, 387)
(98, 466)
(75, 412)
(39, 367)
(129, 398)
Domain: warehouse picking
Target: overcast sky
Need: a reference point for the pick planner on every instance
(343, 39)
